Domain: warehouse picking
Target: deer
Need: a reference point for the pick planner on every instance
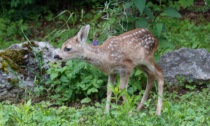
(119, 55)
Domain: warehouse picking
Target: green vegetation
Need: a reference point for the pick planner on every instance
(75, 94)
(191, 108)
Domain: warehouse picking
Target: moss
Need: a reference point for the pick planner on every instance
(12, 60)
(16, 59)
(16, 56)
(13, 81)
(4, 66)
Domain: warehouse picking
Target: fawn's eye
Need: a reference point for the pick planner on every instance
(67, 49)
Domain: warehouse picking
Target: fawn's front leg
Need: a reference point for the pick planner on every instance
(111, 80)
(124, 78)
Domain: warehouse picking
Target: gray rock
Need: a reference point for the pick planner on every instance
(186, 65)
(37, 56)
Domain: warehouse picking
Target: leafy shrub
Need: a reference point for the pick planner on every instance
(74, 81)
(9, 31)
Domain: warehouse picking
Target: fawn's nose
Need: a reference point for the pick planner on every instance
(57, 57)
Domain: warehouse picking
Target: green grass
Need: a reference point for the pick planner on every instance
(190, 109)
(185, 33)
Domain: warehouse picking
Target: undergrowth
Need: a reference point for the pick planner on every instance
(191, 108)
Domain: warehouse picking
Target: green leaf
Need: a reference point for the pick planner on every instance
(137, 73)
(28, 102)
(141, 23)
(186, 3)
(159, 28)
(130, 90)
(171, 12)
(81, 85)
(111, 86)
(116, 90)
(207, 2)
(69, 63)
(64, 79)
(53, 76)
(99, 81)
(140, 4)
(59, 89)
(165, 44)
(157, 58)
(86, 100)
(149, 13)
(48, 81)
(56, 96)
(92, 90)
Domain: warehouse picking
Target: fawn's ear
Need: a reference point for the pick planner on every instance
(82, 35)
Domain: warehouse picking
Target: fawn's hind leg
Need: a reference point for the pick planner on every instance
(150, 82)
(153, 73)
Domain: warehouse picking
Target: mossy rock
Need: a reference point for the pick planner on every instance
(16, 59)
(22, 66)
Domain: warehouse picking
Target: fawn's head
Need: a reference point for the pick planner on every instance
(74, 47)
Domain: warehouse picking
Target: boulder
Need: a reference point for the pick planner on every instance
(186, 66)
(21, 65)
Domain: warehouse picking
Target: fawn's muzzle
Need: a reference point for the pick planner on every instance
(57, 57)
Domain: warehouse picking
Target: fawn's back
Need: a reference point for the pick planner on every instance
(135, 44)
(131, 48)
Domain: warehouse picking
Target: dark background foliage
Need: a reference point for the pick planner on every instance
(33, 9)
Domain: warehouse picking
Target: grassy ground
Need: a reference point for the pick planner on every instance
(190, 109)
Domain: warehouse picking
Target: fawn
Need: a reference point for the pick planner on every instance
(119, 55)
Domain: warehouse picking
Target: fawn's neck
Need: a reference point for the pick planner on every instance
(94, 55)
